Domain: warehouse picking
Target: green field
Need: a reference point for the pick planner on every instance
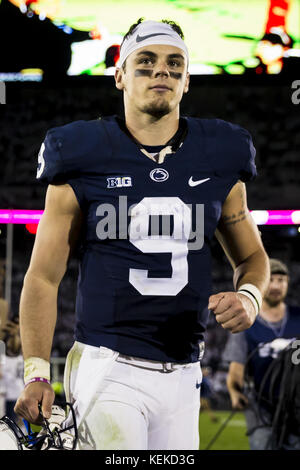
(233, 436)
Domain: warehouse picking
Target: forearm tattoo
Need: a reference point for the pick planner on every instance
(241, 214)
(234, 218)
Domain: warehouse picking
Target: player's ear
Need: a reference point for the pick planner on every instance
(119, 78)
(187, 83)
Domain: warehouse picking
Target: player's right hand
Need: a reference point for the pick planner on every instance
(33, 395)
(239, 401)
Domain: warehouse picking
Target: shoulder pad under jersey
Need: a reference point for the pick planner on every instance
(235, 151)
(72, 149)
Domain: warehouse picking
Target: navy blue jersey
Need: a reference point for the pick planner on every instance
(145, 292)
(264, 343)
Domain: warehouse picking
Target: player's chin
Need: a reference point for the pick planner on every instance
(157, 109)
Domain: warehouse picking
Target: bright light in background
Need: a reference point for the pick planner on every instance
(32, 228)
(19, 216)
(296, 217)
(284, 217)
(261, 217)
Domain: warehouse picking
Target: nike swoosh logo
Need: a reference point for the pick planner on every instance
(195, 183)
(142, 38)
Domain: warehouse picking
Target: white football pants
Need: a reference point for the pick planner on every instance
(130, 406)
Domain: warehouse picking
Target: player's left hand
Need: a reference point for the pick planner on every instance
(233, 311)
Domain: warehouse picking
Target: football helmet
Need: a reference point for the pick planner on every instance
(59, 432)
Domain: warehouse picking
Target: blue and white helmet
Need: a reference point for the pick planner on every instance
(55, 434)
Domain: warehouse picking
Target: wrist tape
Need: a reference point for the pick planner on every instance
(36, 367)
(253, 293)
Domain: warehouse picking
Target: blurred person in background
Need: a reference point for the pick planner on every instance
(3, 318)
(12, 368)
(251, 352)
(4, 307)
(276, 54)
(11, 364)
(207, 394)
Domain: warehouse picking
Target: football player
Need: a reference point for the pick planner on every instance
(143, 196)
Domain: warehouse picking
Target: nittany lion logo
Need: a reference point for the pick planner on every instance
(159, 175)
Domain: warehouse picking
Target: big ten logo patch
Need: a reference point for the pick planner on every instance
(119, 182)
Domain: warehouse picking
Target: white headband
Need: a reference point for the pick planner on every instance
(148, 33)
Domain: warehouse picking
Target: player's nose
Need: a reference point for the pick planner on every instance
(161, 69)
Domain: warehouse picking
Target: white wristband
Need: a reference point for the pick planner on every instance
(36, 367)
(250, 297)
(253, 294)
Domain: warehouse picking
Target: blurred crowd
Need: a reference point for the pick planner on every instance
(264, 108)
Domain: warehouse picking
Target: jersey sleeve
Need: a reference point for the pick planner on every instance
(68, 153)
(235, 151)
(247, 171)
(50, 165)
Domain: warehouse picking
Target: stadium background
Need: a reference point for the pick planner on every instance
(263, 105)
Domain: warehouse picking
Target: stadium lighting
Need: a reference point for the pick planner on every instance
(276, 217)
(261, 217)
(19, 216)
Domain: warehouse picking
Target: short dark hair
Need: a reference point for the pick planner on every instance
(133, 27)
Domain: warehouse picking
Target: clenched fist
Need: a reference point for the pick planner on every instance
(233, 310)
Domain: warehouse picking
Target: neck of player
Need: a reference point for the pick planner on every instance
(152, 131)
(272, 313)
